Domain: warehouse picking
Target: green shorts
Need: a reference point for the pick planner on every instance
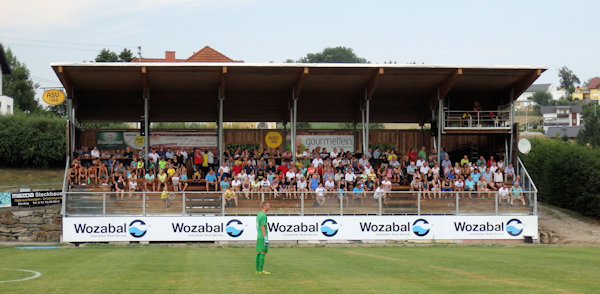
(260, 245)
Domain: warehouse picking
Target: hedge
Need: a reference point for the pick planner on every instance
(32, 140)
(566, 175)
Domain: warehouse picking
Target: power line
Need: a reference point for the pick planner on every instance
(68, 43)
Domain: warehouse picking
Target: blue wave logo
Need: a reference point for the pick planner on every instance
(329, 227)
(137, 228)
(234, 228)
(514, 227)
(421, 227)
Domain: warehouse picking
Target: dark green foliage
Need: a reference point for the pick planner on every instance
(338, 54)
(566, 175)
(590, 133)
(232, 147)
(19, 85)
(568, 79)
(107, 55)
(33, 140)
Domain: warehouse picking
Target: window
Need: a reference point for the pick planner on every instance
(7, 109)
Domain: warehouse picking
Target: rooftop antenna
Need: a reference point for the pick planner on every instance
(140, 53)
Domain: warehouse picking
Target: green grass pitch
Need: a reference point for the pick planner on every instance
(197, 269)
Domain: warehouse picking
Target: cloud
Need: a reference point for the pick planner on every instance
(47, 15)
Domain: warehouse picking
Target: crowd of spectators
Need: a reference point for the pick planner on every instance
(319, 173)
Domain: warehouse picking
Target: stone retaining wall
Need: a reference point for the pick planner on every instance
(40, 224)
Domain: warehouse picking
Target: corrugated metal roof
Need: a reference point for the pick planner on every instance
(570, 132)
(538, 87)
(188, 91)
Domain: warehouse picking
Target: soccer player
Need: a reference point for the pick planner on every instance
(262, 240)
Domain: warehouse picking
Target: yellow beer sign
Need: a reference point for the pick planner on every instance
(273, 139)
(54, 97)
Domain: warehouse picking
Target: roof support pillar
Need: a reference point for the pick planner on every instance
(146, 125)
(146, 97)
(440, 122)
(71, 142)
(221, 96)
(293, 118)
(220, 130)
(293, 106)
(512, 127)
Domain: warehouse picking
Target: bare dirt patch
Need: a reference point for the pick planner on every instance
(558, 227)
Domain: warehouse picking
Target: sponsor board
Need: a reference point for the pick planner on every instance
(120, 139)
(5, 200)
(311, 142)
(39, 198)
(243, 228)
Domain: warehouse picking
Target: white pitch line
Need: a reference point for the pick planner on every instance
(35, 275)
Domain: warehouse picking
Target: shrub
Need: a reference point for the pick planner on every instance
(34, 140)
(567, 175)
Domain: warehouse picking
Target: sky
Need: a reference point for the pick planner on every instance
(546, 33)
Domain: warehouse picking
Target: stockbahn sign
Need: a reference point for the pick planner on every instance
(243, 228)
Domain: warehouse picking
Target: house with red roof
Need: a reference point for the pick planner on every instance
(206, 54)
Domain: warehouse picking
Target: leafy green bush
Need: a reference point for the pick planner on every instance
(566, 175)
(34, 140)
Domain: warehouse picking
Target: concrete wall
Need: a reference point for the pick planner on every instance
(42, 224)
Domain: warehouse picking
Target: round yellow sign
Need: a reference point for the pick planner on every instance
(273, 139)
(54, 97)
(139, 140)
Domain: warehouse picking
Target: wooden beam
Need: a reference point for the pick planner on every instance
(373, 83)
(299, 84)
(520, 86)
(64, 78)
(442, 89)
(223, 83)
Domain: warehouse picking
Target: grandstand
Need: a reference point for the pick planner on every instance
(469, 109)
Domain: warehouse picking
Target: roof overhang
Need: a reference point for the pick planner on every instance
(263, 91)
(4, 66)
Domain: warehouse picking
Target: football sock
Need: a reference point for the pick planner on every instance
(261, 262)
(256, 261)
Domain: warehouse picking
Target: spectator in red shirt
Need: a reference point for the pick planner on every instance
(490, 161)
(237, 167)
(412, 155)
(282, 169)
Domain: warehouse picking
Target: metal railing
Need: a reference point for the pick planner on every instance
(477, 120)
(65, 185)
(144, 203)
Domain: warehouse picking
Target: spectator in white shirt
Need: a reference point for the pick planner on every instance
(320, 195)
(95, 153)
(317, 161)
(334, 153)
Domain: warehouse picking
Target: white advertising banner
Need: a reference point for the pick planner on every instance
(243, 228)
(173, 140)
(326, 141)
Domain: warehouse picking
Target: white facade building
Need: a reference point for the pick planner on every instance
(562, 116)
(6, 103)
(523, 100)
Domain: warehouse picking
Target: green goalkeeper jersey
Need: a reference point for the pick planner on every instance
(261, 220)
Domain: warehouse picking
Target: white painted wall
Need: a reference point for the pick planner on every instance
(6, 105)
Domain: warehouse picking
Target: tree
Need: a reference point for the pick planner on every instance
(19, 85)
(126, 55)
(107, 55)
(541, 98)
(590, 133)
(568, 79)
(59, 110)
(338, 54)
